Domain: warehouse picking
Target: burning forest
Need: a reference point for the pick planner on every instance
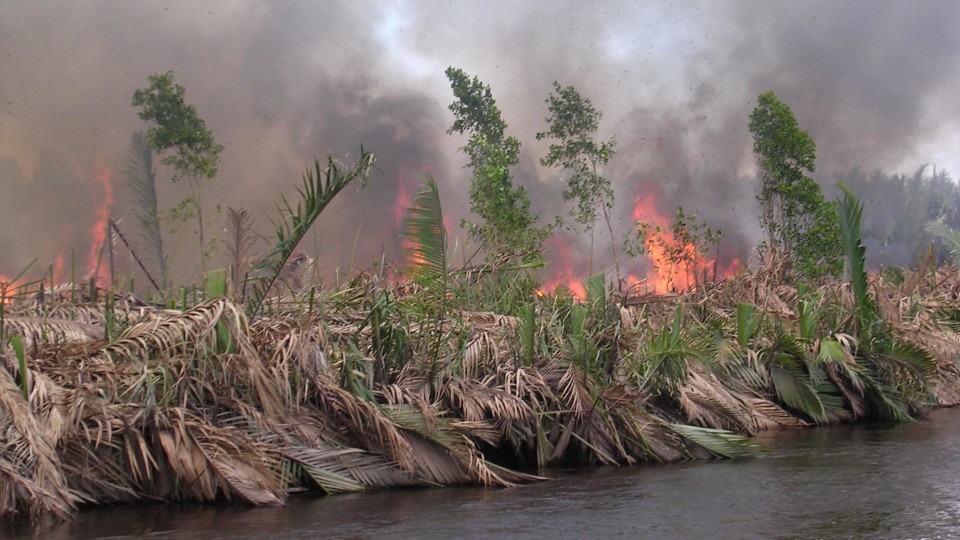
(466, 289)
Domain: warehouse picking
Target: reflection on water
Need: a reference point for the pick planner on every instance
(847, 482)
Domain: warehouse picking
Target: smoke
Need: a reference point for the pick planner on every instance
(280, 84)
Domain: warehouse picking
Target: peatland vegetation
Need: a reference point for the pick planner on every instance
(251, 387)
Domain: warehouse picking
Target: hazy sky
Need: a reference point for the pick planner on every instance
(280, 83)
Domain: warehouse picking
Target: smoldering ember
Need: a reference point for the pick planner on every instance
(579, 244)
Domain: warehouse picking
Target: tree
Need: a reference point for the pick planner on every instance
(176, 129)
(507, 226)
(798, 220)
(573, 122)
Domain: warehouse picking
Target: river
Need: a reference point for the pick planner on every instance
(871, 481)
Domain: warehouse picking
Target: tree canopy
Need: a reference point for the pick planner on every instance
(507, 225)
(174, 125)
(798, 220)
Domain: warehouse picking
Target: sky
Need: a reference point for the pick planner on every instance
(282, 83)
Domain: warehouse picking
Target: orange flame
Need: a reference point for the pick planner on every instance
(675, 267)
(562, 269)
(98, 231)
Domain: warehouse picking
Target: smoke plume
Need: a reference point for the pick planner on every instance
(280, 84)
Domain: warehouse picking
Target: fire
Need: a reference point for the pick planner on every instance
(98, 231)
(562, 269)
(676, 263)
(675, 266)
(103, 199)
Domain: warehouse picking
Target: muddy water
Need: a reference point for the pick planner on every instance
(848, 482)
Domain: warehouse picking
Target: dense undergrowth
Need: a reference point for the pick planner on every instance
(450, 376)
(375, 384)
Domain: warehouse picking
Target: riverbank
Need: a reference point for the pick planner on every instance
(849, 481)
(371, 386)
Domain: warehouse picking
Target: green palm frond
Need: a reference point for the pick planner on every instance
(343, 470)
(850, 219)
(748, 322)
(742, 365)
(808, 313)
(664, 358)
(320, 186)
(835, 351)
(427, 239)
(794, 389)
(718, 441)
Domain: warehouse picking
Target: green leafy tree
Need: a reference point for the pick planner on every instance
(507, 225)
(573, 124)
(175, 129)
(798, 220)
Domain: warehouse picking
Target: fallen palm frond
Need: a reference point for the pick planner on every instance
(48, 330)
(335, 396)
(31, 476)
(717, 441)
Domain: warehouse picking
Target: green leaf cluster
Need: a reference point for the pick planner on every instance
(507, 224)
(573, 122)
(175, 126)
(799, 222)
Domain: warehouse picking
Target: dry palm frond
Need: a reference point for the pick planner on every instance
(240, 242)
(91, 314)
(452, 458)
(297, 352)
(709, 403)
(209, 460)
(515, 420)
(31, 474)
(584, 418)
(46, 330)
(96, 474)
(185, 332)
(479, 355)
(645, 435)
(477, 403)
(140, 175)
(247, 469)
(363, 423)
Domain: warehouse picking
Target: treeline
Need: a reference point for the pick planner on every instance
(899, 210)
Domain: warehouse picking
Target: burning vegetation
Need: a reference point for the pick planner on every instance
(254, 384)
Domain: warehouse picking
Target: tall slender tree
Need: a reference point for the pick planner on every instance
(573, 124)
(507, 226)
(175, 129)
(798, 220)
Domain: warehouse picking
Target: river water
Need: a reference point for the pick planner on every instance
(874, 481)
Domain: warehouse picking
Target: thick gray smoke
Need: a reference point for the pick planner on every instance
(282, 83)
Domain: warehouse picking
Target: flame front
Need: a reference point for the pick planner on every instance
(676, 264)
(562, 269)
(103, 202)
